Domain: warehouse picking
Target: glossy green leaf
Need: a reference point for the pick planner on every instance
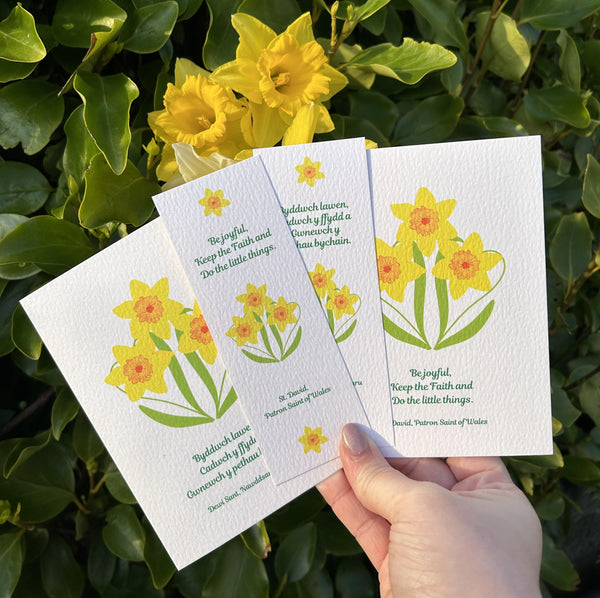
(191, 580)
(44, 484)
(348, 126)
(191, 9)
(237, 574)
(13, 71)
(110, 197)
(316, 584)
(19, 40)
(571, 247)
(558, 103)
(334, 537)
(431, 121)
(556, 14)
(294, 556)
(591, 187)
(569, 61)
(53, 245)
(117, 486)
(123, 534)
(589, 398)
(408, 63)
(375, 107)
(160, 564)
(100, 565)
(64, 410)
(551, 507)
(12, 294)
(376, 22)
(11, 561)
(354, 580)
(80, 146)
(74, 22)
(448, 29)
(499, 126)
(61, 575)
(506, 52)
(24, 335)
(9, 222)
(277, 15)
(581, 471)
(86, 442)
(591, 55)
(107, 101)
(221, 37)
(23, 188)
(23, 450)
(562, 408)
(149, 27)
(256, 540)
(557, 569)
(30, 111)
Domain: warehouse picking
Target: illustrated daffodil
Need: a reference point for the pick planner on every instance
(283, 76)
(466, 266)
(255, 299)
(281, 314)
(309, 172)
(396, 268)
(202, 112)
(244, 330)
(150, 309)
(425, 222)
(312, 439)
(342, 302)
(213, 202)
(140, 368)
(322, 280)
(196, 335)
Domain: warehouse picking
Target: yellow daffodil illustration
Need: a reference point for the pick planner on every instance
(312, 439)
(342, 302)
(202, 112)
(309, 172)
(282, 76)
(140, 368)
(281, 314)
(150, 309)
(465, 266)
(244, 330)
(396, 268)
(425, 222)
(213, 202)
(322, 280)
(196, 335)
(255, 299)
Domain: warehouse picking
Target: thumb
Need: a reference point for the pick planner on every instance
(376, 484)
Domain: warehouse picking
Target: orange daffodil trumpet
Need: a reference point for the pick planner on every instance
(285, 77)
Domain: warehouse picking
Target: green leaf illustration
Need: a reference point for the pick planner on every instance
(259, 358)
(174, 421)
(469, 330)
(230, 399)
(401, 335)
(294, 344)
(346, 334)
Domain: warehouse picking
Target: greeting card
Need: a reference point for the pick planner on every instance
(323, 189)
(131, 340)
(238, 254)
(461, 264)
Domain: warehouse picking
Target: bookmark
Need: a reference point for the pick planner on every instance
(239, 256)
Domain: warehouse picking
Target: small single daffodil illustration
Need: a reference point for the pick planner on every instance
(309, 172)
(244, 330)
(281, 314)
(322, 280)
(312, 439)
(213, 202)
(255, 299)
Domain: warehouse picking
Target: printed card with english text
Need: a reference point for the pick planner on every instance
(323, 189)
(236, 249)
(460, 255)
(131, 340)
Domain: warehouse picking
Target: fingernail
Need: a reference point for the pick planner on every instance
(355, 440)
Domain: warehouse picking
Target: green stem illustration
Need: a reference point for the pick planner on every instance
(406, 320)
(285, 345)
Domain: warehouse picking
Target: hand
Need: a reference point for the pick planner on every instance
(453, 529)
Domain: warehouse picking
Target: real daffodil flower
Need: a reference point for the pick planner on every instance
(284, 77)
(201, 112)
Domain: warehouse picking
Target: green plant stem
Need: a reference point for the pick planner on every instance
(583, 379)
(474, 303)
(27, 412)
(517, 9)
(221, 390)
(81, 506)
(406, 320)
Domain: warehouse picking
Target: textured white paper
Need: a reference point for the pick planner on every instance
(193, 504)
(490, 394)
(264, 314)
(323, 189)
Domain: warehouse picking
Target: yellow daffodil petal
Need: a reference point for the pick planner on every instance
(268, 125)
(324, 124)
(337, 81)
(185, 67)
(254, 35)
(192, 166)
(301, 29)
(303, 126)
(446, 207)
(241, 76)
(425, 198)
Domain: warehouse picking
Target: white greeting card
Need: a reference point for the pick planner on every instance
(461, 264)
(323, 189)
(238, 254)
(130, 339)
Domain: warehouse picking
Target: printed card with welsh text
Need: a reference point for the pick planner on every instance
(460, 254)
(131, 340)
(237, 252)
(323, 189)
